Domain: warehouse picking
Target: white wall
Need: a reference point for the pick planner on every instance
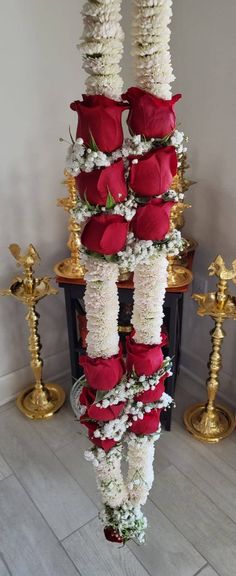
(40, 75)
(204, 57)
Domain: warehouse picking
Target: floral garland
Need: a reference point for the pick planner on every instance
(124, 203)
(102, 47)
(151, 37)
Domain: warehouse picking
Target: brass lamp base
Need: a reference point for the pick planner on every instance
(41, 404)
(178, 276)
(209, 426)
(68, 269)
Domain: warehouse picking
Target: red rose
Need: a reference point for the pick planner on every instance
(152, 221)
(143, 358)
(165, 337)
(149, 115)
(95, 186)
(87, 398)
(106, 445)
(105, 234)
(100, 120)
(154, 172)
(103, 373)
(148, 425)
(87, 422)
(152, 395)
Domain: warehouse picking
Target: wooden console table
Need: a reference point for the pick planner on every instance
(74, 290)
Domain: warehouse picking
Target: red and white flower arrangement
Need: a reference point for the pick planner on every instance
(124, 204)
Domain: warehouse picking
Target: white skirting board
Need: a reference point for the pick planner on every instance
(197, 370)
(56, 367)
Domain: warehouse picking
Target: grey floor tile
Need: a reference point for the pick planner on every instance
(72, 456)
(59, 430)
(208, 571)
(57, 495)
(3, 569)
(166, 552)
(209, 473)
(5, 470)
(94, 556)
(26, 542)
(210, 531)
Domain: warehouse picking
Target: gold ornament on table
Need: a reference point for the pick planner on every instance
(181, 184)
(71, 267)
(212, 422)
(178, 275)
(40, 400)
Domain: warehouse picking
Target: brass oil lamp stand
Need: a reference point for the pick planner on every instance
(212, 422)
(178, 274)
(40, 400)
(71, 267)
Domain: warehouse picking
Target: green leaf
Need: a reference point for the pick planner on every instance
(71, 137)
(110, 202)
(142, 199)
(92, 143)
(100, 394)
(109, 257)
(87, 202)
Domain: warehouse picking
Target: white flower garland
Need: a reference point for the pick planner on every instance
(151, 46)
(102, 47)
(150, 281)
(102, 308)
(109, 475)
(140, 474)
(127, 520)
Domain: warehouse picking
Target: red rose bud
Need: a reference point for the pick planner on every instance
(148, 425)
(154, 172)
(143, 358)
(112, 536)
(103, 373)
(106, 445)
(164, 337)
(86, 422)
(99, 122)
(152, 395)
(87, 398)
(152, 221)
(149, 115)
(105, 234)
(105, 414)
(100, 186)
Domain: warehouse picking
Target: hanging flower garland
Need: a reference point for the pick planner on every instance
(124, 204)
(151, 38)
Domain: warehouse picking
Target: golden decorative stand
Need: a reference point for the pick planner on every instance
(178, 276)
(210, 422)
(40, 400)
(71, 267)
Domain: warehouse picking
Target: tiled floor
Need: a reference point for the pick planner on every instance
(49, 503)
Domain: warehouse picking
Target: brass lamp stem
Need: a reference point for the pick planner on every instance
(71, 267)
(39, 394)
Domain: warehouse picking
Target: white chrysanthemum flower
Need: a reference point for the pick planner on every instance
(102, 307)
(151, 37)
(102, 47)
